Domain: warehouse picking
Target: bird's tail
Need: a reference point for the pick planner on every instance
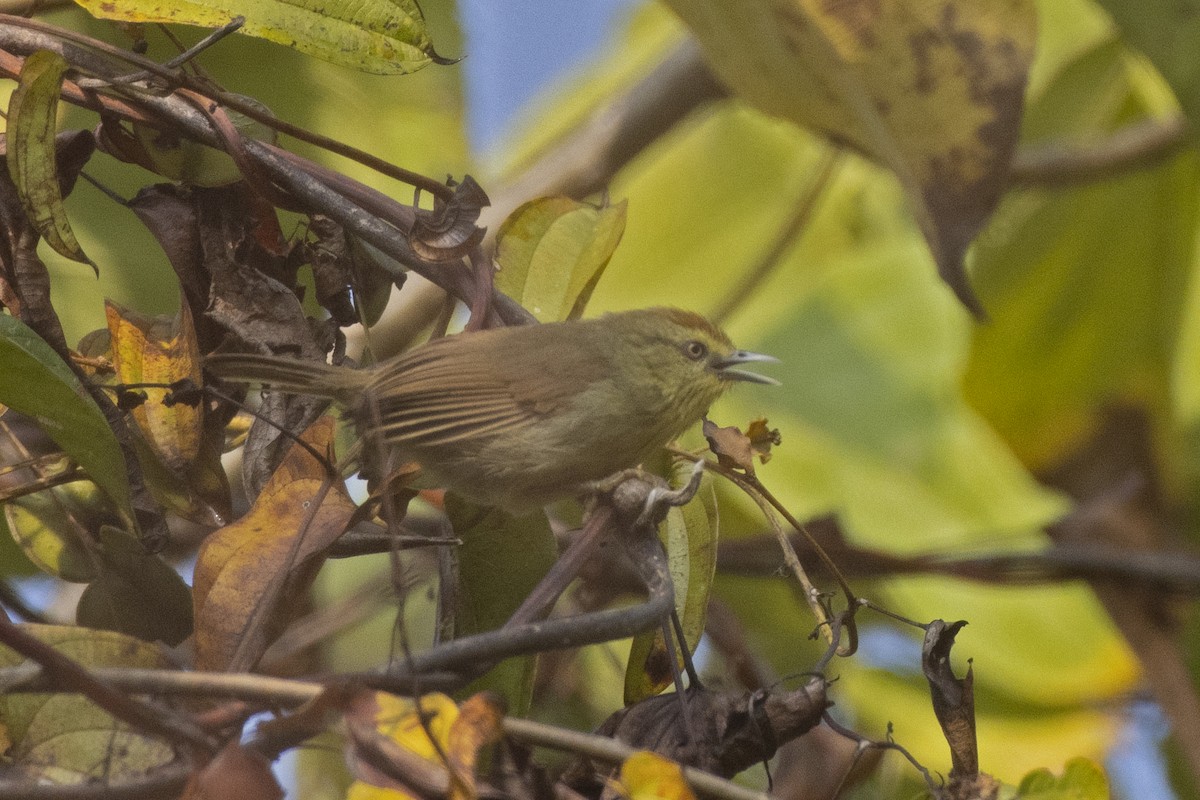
(289, 374)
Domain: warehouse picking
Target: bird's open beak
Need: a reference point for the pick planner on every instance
(724, 367)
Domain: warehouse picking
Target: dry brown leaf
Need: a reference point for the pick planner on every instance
(731, 447)
(246, 572)
(234, 773)
(762, 437)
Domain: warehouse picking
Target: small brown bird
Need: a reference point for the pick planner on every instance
(520, 416)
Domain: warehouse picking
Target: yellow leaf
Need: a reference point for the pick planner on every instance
(649, 776)
(159, 350)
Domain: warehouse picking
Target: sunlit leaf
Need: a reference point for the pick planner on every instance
(32, 120)
(38, 384)
(65, 738)
(552, 251)
(383, 36)
(159, 350)
(649, 776)
(247, 572)
(458, 735)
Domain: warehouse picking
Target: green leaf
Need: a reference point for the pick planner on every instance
(689, 536)
(38, 384)
(501, 560)
(55, 527)
(381, 36)
(1168, 33)
(67, 739)
(32, 117)
(136, 593)
(553, 250)
(1081, 780)
(931, 90)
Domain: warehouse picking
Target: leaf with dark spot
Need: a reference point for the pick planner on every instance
(934, 91)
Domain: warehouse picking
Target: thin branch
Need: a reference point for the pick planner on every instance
(612, 751)
(1138, 145)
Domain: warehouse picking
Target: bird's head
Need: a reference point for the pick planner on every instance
(687, 358)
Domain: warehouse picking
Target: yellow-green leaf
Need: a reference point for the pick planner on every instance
(54, 528)
(67, 739)
(159, 350)
(649, 776)
(553, 250)
(1082, 779)
(932, 90)
(32, 119)
(689, 535)
(380, 36)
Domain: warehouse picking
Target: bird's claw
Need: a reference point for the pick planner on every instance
(661, 498)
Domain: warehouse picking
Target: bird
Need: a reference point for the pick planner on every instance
(518, 417)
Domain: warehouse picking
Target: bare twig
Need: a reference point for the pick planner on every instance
(1138, 145)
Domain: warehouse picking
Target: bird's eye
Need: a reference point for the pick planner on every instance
(695, 350)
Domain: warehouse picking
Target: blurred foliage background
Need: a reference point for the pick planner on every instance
(923, 431)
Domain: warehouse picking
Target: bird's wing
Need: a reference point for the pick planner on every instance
(479, 384)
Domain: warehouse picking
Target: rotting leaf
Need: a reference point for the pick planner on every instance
(552, 252)
(381, 36)
(689, 535)
(31, 158)
(56, 737)
(449, 231)
(953, 697)
(247, 572)
(762, 437)
(932, 90)
(332, 268)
